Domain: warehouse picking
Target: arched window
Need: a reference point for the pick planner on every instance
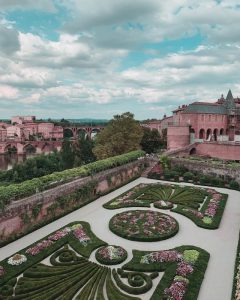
(202, 134)
(215, 134)
(209, 134)
(221, 131)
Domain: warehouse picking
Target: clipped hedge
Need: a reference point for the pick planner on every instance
(216, 220)
(169, 268)
(27, 188)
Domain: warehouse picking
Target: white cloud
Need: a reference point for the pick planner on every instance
(8, 92)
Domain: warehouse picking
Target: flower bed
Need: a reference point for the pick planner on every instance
(68, 272)
(111, 255)
(145, 226)
(77, 234)
(184, 270)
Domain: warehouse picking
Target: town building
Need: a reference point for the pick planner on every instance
(204, 123)
(25, 128)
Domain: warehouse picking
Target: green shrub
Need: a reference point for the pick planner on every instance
(188, 176)
(234, 185)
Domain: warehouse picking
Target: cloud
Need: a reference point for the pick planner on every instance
(44, 5)
(127, 24)
(9, 42)
(8, 92)
(106, 13)
(85, 67)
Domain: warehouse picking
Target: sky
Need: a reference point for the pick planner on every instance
(96, 59)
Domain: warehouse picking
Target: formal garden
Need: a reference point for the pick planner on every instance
(133, 244)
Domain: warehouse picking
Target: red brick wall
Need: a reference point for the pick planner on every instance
(177, 137)
(219, 150)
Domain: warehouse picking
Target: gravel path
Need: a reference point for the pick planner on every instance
(220, 243)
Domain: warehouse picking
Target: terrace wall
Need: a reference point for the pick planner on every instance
(206, 168)
(13, 220)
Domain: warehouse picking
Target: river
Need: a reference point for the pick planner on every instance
(7, 161)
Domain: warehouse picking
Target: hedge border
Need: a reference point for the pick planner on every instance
(237, 264)
(14, 192)
(216, 219)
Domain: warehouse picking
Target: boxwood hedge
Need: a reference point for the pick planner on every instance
(27, 188)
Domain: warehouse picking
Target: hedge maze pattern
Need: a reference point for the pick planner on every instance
(58, 267)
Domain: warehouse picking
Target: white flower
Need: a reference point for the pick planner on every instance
(17, 259)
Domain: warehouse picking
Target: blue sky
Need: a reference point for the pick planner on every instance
(74, 59)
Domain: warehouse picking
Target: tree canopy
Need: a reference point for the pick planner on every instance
(122, 134)
(151, 140)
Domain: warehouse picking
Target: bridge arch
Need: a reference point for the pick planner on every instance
(81, 133)
(10, 148)
(68, 133)
(29, 148)
(94, 132)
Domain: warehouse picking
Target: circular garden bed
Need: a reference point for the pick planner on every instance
(143, 225)
(111, 255)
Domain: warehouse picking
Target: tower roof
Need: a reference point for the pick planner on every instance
(230, 103)
(229, 96)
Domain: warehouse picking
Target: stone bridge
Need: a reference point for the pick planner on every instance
(36, 146)
(75, 131)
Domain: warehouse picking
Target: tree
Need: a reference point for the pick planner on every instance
(67, 154)
(83, 151)
(151, 140)
(122, 134)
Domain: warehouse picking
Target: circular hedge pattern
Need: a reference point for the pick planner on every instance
(111, 255)
(143, 225)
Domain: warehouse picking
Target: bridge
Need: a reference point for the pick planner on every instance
(30, 146)
(76, 131)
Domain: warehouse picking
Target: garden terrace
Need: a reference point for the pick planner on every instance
(70, 274)
(61, 259)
